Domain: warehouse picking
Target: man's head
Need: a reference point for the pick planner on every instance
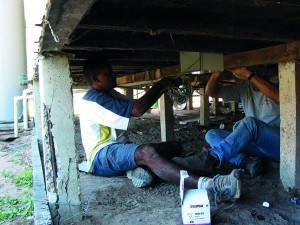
(98, 73)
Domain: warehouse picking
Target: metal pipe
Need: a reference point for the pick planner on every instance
(25, 114)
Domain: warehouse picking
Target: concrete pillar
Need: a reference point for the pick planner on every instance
(58, 133)
(234, 106)
(215, 106)
(166, 118)
(12, 57)
(204, 108)
(289, 81)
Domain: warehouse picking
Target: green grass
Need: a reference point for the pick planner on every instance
(25, 179)
(22, 206)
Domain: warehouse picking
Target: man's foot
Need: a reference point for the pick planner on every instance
(140, 177)
(252, 166)
(226, 187)
(193, 163)
(210, 162)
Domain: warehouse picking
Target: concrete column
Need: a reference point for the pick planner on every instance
(58, 133)
(12, 57)
(166, 118)
(129, 92)
(215, 106)
(234, 106)
(204, 108)
(289, 80)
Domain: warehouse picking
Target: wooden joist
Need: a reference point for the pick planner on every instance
(264, 56)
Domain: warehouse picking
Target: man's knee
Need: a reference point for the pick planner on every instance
(144, 153)
(249, 119)
(210, 135)
(249, 122)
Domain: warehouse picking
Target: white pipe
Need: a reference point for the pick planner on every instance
(25, 107)
(25, 115)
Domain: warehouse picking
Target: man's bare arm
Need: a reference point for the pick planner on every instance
(270, 90)
(212, 87)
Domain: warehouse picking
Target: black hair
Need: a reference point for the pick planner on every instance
(95, 66)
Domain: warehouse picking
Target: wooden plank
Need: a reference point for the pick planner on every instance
(139, 76)
(293, 46)
(170, 71)
(264, 56)
(152, 75)
(218, 30)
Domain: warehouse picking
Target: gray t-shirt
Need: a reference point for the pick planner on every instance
(255, 103)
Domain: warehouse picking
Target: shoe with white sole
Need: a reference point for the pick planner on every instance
(140, 177)
(227, 187)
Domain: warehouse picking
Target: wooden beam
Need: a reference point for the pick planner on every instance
(229, 19)
(115, 40)
(271, 55)
(152, 76)
(149, 76)
(219, 31)
(264, 56)
(127, 55)
(63, 17)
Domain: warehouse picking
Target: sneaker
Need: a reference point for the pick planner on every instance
(252, 166)
(226, 187)
(140, 177)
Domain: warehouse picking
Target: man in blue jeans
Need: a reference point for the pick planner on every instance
(258, 134)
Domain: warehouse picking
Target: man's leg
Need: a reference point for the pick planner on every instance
(214, 137)
(115, 159)
(146, 155)
(168, 149)
(227, 187)
(252, 136)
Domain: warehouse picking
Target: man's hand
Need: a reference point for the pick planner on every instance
(241, 73)
(168, 82)
(216, 74)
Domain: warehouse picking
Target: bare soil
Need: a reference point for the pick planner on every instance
(15, 156)
(116, 201)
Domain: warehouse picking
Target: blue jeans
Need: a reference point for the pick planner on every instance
(250, 136)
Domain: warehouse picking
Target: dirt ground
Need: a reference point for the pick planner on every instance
(15, 155)
(116, 201)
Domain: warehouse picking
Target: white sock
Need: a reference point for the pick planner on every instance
(205, 183)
